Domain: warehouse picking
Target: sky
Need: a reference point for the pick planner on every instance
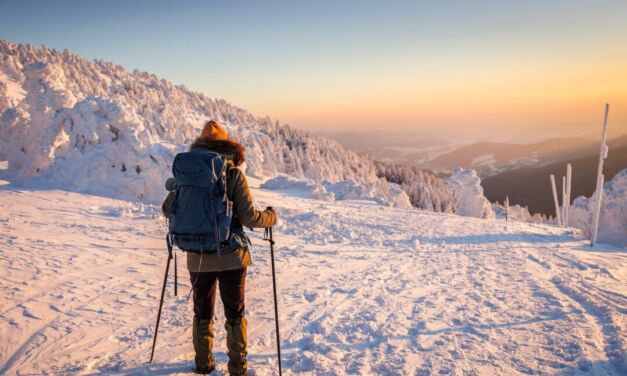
(464, 69)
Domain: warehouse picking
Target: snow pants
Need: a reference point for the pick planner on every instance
(231, 284)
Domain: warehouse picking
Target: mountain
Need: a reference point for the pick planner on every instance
(395, 147)
(487, 158)
(92, 126)
(531, 186)
(490, 158)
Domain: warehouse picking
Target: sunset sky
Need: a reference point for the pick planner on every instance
(478, 69)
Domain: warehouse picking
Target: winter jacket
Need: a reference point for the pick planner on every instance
(244, 212)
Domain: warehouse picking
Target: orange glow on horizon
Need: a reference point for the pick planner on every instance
(526, 99)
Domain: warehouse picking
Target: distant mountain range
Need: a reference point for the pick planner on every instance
(397, 147)
(487, 158)
(531, 186)
(520, 171)
(491, 158)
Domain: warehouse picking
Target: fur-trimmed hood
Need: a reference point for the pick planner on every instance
(230, 149)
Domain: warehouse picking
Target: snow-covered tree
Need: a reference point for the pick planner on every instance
(613, 218)
(425, 190)
(467, 187)
(94, 127)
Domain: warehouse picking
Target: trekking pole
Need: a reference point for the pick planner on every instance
(268, 237)
(175, 277)
(165, 279)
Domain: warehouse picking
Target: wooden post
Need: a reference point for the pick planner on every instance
(597, 210)
(600, 179)
(563, 212)
(506, 203)
(557, 205)
(569, 183)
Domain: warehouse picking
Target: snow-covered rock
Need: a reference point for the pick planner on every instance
(613, 218)
(517, 213)
(93, 127)
(398, 198)
(470, 199)
(383, 192)
(299, 187)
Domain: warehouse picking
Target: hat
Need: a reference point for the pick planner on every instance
(214, 131)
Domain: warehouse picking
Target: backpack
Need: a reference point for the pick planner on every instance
(201, 213)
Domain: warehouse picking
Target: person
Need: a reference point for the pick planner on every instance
(228, 269)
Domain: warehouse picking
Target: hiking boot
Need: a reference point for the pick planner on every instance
(203, 342)
(236, 343)
(204, 371)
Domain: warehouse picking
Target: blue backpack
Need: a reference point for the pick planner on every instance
(201, 213)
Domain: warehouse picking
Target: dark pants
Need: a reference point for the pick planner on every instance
(231, 284)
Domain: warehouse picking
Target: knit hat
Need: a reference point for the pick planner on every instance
(214, 131)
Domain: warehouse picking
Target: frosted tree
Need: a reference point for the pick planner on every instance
(471, 201)
(93, 126)
(425, 191)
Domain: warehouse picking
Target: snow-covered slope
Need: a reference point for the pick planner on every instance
(91, 126)
(363, 289)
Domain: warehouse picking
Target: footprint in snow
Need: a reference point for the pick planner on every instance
(310, 296)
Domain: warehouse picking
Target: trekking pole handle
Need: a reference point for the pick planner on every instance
(268, 230)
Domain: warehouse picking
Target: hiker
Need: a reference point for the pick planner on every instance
(227, 268)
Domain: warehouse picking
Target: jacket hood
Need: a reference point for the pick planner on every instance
(230, 149)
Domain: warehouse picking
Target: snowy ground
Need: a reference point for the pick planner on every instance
(364, 289)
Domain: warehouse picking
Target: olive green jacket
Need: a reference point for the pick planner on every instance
(243, 210)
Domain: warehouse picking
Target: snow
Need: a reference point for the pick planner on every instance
(398, 198)
(93, 127)
(296, 187)
(4, 166)
(471, 201)
(484, 160)
(423, 189)
(11, 92)
(363, 289)
(613, 220)
(518, 213)
(366, 284)
(389, 194)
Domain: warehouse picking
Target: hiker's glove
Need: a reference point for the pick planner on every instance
(271, 210)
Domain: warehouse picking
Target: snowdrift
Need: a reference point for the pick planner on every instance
(364, 290)
(517, 213)
(343, 190)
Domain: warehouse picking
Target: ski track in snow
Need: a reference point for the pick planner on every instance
(363, 289)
